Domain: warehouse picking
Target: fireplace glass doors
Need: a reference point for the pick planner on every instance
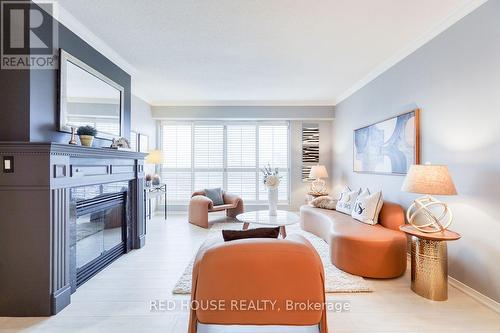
(99, 233)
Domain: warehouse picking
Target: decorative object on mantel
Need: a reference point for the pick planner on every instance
(86, 134)
(272, 181)
(143, 143)
(133, 141)
(388, 147)
(310, 148)
(428, 214)
(73, 137)
(155, 157)
(148, 180)
(318, 186)
(120, 143)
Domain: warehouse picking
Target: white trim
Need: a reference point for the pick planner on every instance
(412, 47)
(469, 291)
(481, 298)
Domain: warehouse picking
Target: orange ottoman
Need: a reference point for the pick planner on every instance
(258, 270)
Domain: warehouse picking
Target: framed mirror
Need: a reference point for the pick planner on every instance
(87, 97)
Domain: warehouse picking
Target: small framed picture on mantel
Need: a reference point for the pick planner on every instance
(143, 143)
(388, 147)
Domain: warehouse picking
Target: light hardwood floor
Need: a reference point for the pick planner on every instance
(118, 299)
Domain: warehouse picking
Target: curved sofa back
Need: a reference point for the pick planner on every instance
(391, 216)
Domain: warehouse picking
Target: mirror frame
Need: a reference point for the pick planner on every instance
(64, 58)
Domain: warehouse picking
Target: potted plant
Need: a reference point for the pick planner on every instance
(86, 134)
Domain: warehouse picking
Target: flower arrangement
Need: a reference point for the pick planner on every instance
(272, 178)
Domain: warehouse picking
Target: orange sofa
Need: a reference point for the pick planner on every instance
(200, 206)
(258, 270)
(374, 251)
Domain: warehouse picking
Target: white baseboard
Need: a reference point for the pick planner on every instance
(483, 299)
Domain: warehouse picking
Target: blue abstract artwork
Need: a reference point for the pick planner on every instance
(387, 147)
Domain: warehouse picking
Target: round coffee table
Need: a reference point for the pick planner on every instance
(262, 217)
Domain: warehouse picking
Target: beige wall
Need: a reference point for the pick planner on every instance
(455, 80)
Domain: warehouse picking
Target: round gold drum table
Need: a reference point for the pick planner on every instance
(429, 262)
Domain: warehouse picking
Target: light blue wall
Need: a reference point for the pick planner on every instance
(455, 80)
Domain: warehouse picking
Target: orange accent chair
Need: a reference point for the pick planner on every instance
(287, 271)
(200, 206)
(374, 251)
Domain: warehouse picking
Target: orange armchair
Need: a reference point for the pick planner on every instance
(284, 271)
(200, 206)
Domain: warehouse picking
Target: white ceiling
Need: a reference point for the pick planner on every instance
(257, 52)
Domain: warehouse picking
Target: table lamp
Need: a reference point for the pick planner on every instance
(155, 157)
(317, 172)
(429, 180)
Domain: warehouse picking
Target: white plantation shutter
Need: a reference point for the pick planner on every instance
(273, 146)
(208, 156)
(208, 146)
(241, 146)
(242, 161)
(176, 145)
(273, 150)
(176, 167)
(229, 155)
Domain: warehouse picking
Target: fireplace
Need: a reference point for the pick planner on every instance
(74, 210)
(98, 233)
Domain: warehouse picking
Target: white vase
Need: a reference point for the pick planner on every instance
(272, 196)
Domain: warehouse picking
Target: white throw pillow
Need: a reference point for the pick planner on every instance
(346, 201)
(367, 208)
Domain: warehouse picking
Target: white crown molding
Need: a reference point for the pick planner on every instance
(68, 20)
(243, 103)
(409, 49)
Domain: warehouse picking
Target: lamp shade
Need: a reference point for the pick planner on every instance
(429, 179)
(154, 157)
(318, 171)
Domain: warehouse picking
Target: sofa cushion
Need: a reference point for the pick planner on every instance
(324, 202)
(346, 201)
(367, 208)
(214, 194)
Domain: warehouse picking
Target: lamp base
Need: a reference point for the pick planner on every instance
(318, 186)
(421, 208)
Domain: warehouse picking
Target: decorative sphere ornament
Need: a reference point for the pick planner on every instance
(436, 215)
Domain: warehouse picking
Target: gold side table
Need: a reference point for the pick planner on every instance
(429, 262)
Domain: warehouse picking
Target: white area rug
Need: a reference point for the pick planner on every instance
(336, 281)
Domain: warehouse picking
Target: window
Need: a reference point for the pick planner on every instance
(200, 155)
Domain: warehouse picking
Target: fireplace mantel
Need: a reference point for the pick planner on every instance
(35, 206)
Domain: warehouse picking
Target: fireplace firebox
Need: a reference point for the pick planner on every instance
(98, 234)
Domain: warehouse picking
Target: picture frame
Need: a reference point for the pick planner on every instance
(388, 147)
(143, 143)
(133, 141)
